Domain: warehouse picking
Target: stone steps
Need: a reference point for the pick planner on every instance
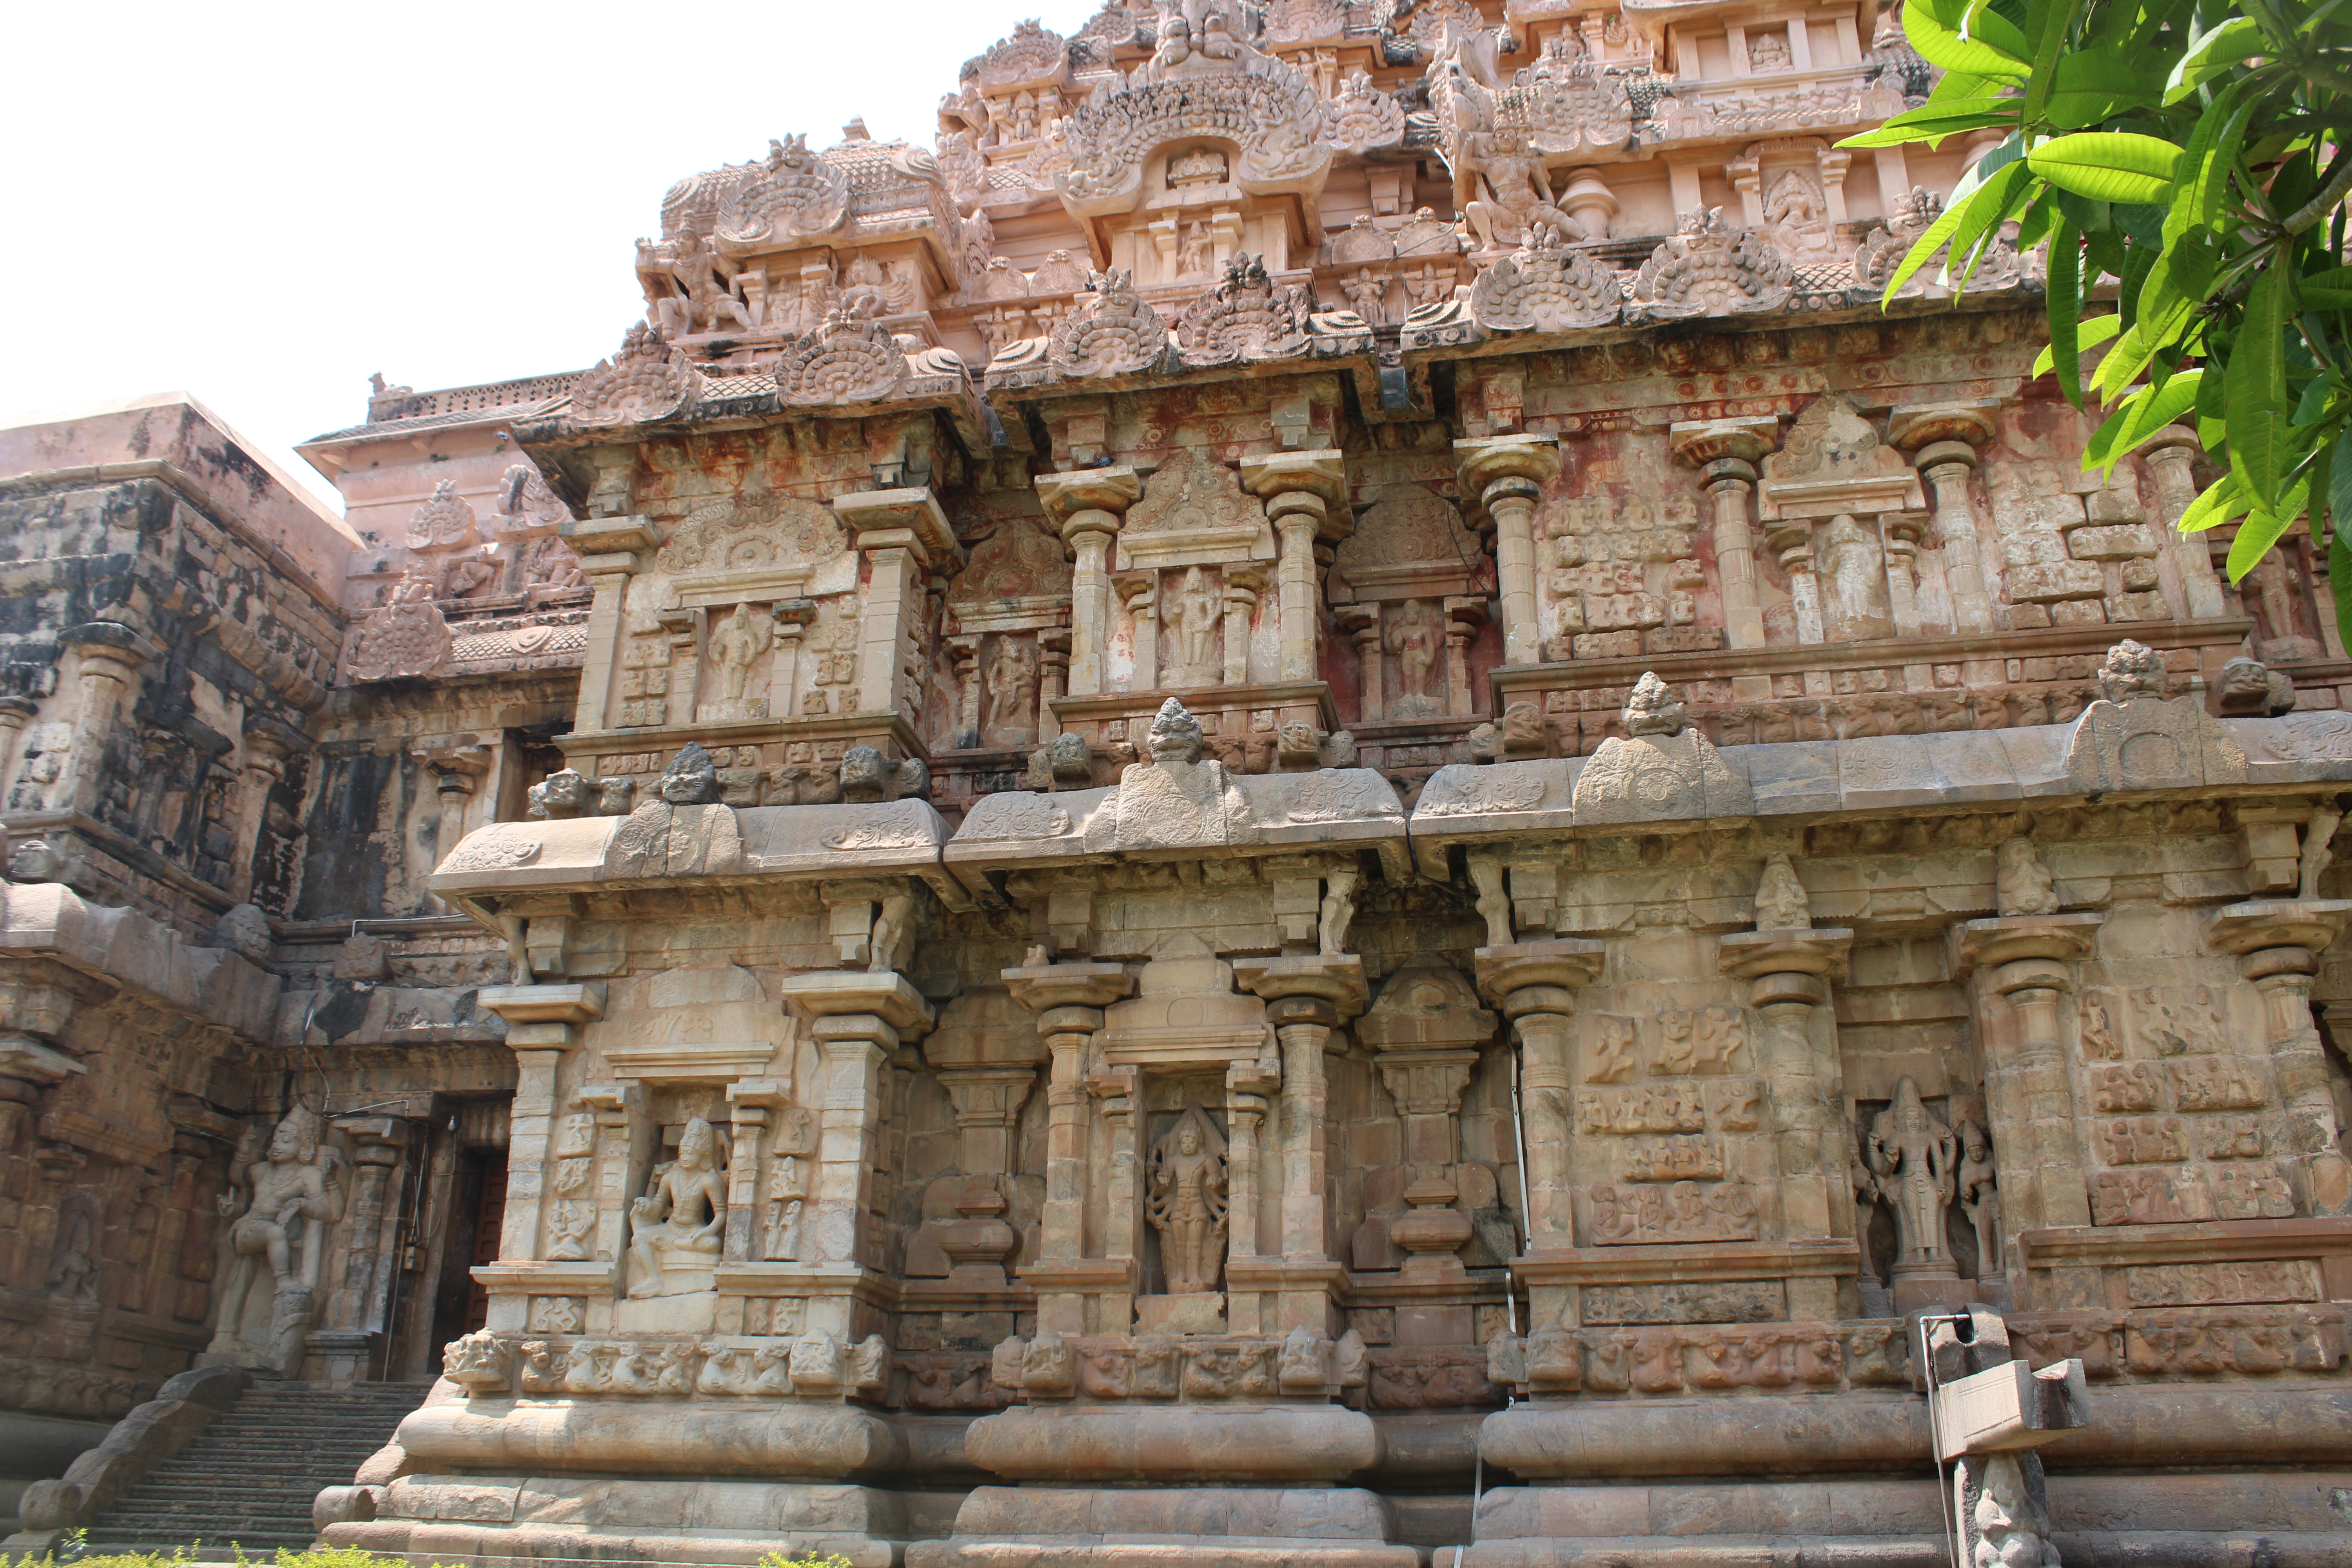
(248, 1479)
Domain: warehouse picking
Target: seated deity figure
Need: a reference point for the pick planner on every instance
(293, 1182)
(676, 1226)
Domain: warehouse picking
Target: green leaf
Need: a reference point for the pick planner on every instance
(2339, 581)
(1993, 203)
(1995, 47)
(2328, 291)
(2064, 354)
(2142, 415)
(2238, 39)
(2108, 165)
(1932, 122)
(2057, 25)
(2256, 536)
(2224, 500)
(2088, 335)
(2088, 86)
(1923, 248)
(2339, 491)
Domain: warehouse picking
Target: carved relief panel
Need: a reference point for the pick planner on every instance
(1007, 639)
(1194, 556)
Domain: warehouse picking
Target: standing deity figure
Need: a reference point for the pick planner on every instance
(1416, 637)
(682, 1214)
(1012, 690)
(1913, 1156)
(1979, 1199)
(295, 1181)
(1187, 1209)
(735, 646)
(1197, 614)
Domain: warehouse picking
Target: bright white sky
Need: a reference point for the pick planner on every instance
(260, 202)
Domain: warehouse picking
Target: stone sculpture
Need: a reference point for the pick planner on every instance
(1913, 1156)
(674, 1229)
(2023, 885)
(1781, 900)
(1188, 1207)
(1980, 1198)
(291, 1194)
(561, 794)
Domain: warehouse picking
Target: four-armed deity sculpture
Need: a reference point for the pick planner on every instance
(1188, 1205)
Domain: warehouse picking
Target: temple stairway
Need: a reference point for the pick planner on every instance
(248, 1477)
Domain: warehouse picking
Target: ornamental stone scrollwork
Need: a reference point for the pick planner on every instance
(1262, 107)
(407, 637)
(1545, 288)
(1882, 250)
(1246, 317)
(849, 359)
(526, 503)
(445, 521)
(1116, 332)
(1031, 54)
(646, 380)
(1570, 106)
(796, 195)
(1711, 269)
(751, 530)
(1361, 118)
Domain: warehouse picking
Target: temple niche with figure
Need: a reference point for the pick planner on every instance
(1306, 801)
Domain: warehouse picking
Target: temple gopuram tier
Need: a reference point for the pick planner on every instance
(1311, 803)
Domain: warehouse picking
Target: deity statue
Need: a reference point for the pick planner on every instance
(682, 1213)
(735, 646)
(1979, 1199)
(1517, 201)
(1416, 640)
(1193, 257)
(1780, 900)
(1912, 1154)
(1188, 1208)
(1011, 691)
(1197, 614)
(2022, 884)
(294, 1181)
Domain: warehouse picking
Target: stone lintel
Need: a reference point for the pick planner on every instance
(2201, 1241)
(1679, 1263)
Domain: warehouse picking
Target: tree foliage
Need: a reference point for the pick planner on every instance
(2194, 156)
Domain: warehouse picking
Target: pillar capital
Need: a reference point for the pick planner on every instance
(1753, 955)
(1928, 427)
(1539, 976)
(1311, 483)
(2247, 929)
(1484, 462)
(1990, 943)
(1337, 980)
(832, 994)
(907, 518)
(1703, 443)
(1046, 987)
(1069, 496)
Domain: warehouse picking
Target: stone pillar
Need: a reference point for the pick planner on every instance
(1362, 625)
(16, 712)
(1139, 592)
(1053, 678)
(1791, 539)
(1725, 452)
(627, 1140)
(111, 656)
(1502, 480)
(1788, 974)
(861, 1018)
(542, 1022)
(2170, 456)
(1464, 616)
(905, 536)
(793, 617)
(1900, 532)
(753, 1105)
(1087, 505)
(263, 758)
(378, 1146)
(2028, 961)
(2277, 946)
(1068, 999)
(612, 550)
(1534, 983)
(1305, 494)
(1307, 996)
(1243, 583)
(1944, 438)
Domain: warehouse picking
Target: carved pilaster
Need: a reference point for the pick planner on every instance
(2277, 944)
(2028, 961)
(1725, 452)
(1303, 492)
(1502, 482)
(1534, 983)
(1087, 505)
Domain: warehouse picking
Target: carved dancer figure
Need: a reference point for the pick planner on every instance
(1912, 1153)
(1197, 617)
(1012, 687)
(682, 1213)
(295, 1181)
(1188, 1208)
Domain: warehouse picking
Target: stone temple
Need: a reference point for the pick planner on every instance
(1305, 805)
